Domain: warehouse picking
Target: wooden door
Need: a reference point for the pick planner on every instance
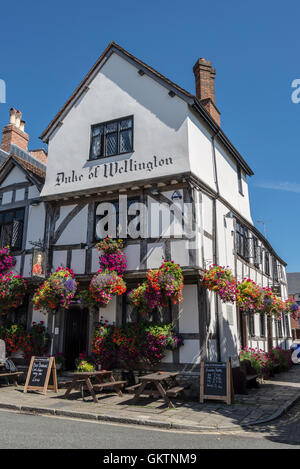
(75, 336)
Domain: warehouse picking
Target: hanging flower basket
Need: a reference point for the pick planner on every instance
(6, 260)
(161, 285)
(112, 257)
(57, 291)
(220, 280)
(271, 304)
(12, 291)
(249, 296)
(292, 308)
(104, 286)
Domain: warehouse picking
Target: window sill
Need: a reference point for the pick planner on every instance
(110, 156)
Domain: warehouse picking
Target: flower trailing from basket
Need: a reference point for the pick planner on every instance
(104, 286)
(271, 303)
(6, 260)
(57, 291)
(249, 296)
(220, 280)
(292, 308)
(112, 257)
(12, 291)
(161, 285)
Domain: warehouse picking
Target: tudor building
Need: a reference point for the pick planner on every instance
(128, 135)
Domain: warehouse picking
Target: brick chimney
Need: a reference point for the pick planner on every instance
(14, 132)
(205, 87)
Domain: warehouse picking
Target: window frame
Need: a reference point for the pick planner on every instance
(240, 180)
(262, 325)
(119, 131)
(251, 324)
(13, 211)
(242, 233)
(267, 264)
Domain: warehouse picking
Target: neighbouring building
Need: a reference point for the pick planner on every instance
(293, 279)
(128, 135)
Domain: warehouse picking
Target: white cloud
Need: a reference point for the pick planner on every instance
(280, 186)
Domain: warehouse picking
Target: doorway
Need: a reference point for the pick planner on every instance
(75, 336)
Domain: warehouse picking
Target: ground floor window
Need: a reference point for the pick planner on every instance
(19, 315)
(131, 314)
(262, 319)
(251, 324)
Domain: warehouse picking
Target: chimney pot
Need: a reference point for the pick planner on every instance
(12, 116)
(14, 132)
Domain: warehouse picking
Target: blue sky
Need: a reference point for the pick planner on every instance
(47, 48)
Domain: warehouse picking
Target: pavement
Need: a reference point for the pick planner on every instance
(271, 400)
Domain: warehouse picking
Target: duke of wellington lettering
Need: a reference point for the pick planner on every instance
(131, 267)
(111, 169)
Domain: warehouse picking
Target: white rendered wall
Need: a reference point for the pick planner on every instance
(118, 91)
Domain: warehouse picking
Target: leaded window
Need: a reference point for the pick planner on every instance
(262, 320)
(251, 322)
(11, 228)
(267, 263)
(111, 138)
(161, 315)
(242, 240)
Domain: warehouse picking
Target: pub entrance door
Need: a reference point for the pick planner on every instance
(75, 335)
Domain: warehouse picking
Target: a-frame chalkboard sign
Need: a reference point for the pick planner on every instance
(41, 375)
(216, 381)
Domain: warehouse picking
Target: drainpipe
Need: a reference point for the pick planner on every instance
(215, 243)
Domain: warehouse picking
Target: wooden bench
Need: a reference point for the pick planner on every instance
(109, 384)
(13, 375)
(173, 392)
(250, 373)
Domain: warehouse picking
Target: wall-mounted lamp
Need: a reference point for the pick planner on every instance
(229, 215)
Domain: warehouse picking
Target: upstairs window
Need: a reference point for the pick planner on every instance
(267, 263)
(242, 240)
(275, 270)
(112, 138)
(256, 252)
(11, 229)
(240, 182)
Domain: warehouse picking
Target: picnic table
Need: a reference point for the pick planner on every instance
(164, 382)
(103, 378)
(7, 375)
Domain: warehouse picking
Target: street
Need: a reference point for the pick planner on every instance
(37, 432)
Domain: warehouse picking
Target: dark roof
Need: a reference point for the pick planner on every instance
(293, 279)
(35, 174)
(190, 98)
